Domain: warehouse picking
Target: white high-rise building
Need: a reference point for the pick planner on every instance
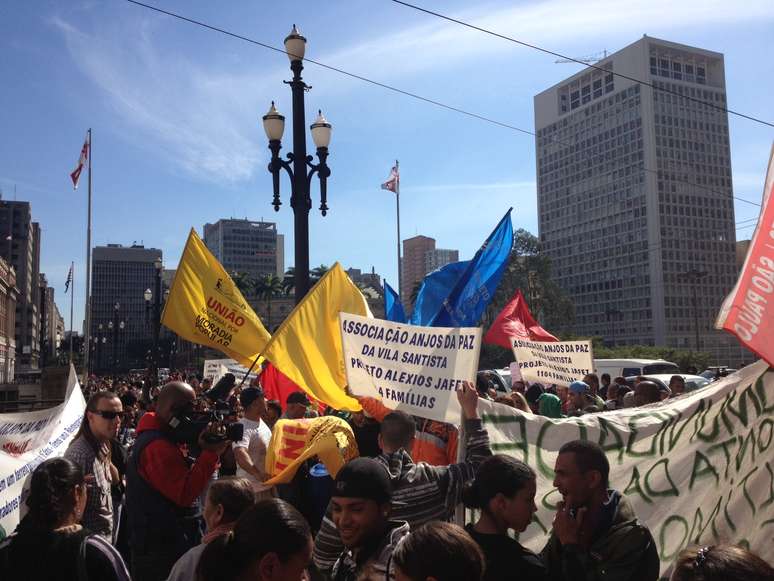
(630, 246)
(246, 246)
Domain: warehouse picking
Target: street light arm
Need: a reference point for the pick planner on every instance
(323, 172)
(275, 165)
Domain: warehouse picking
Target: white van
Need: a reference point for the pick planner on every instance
(628, 367)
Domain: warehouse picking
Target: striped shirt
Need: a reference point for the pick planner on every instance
(421, 493)
(98, 514)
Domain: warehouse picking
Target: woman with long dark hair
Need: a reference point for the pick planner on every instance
(270, 541)
(49, 544)
(504, 490)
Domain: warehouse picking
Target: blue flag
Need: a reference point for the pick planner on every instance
(436, 286)
(393, 308)
(476, 287)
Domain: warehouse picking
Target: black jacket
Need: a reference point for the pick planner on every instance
(622, 550)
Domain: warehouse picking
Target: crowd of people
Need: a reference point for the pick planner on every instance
(592, 394)
(170, 483)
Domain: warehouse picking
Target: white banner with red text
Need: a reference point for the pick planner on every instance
(26, 440)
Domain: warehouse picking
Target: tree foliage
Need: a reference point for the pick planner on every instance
(529, 269)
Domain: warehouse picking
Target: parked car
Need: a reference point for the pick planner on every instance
(628, 367)
(712, 372)
(692, 382)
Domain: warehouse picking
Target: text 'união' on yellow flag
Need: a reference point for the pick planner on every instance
(205, 306)
(307, 346)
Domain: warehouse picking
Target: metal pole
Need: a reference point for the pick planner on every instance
(300, 200)
(87, 330)
(72, 300)
(397, 207)
(696, 312)
(156, 327)
(115, 339)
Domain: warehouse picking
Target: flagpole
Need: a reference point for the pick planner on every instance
(72, 300)
(397, 205)
(87, 330)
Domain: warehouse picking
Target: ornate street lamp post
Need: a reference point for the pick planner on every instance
(298, 161)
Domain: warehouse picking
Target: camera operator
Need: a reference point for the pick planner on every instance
(163, 486)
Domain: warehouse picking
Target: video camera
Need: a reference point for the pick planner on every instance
(189, 424)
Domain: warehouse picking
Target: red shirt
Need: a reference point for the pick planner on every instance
(164, 467)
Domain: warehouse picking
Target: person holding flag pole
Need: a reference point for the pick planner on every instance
(393, 184)
(75, 176)
(69, 282)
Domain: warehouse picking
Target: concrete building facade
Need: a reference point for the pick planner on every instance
(635, 197)
(121, 325)
(8, 298)
(247, 247)
(21, 249)
(420, 256)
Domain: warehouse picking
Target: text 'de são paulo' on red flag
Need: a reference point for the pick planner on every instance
(748, 312)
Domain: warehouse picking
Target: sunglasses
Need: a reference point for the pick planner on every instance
(107, 415)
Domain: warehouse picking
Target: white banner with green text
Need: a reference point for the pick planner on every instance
(697, 469)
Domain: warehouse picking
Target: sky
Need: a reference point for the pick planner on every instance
(176, 112)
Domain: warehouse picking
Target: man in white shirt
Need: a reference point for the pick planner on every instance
(250, 451)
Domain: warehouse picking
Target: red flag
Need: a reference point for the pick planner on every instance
(76, 175)
(277, 386)
(747, 312)
(516, 322)
(393, 181)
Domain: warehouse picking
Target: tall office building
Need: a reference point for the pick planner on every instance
(246, 247)
(420, 256)
(49, 318)
(628, 244)
(21, 249)
(121, 324)
(8, 298)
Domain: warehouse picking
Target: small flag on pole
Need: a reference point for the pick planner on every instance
(393, 181)
(69, 279)
(76, 175)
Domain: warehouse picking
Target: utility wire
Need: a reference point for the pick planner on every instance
(410, 94)
(580, 62)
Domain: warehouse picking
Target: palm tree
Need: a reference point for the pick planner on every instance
(289, 280)
(317, 273)
(243, 282)
(267, 287)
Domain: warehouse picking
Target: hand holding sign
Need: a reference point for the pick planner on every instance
(468, 398)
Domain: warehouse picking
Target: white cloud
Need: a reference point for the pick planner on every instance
(195, 117)
(202, 118)
(554, 24)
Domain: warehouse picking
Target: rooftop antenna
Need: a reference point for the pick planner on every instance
(589, 59)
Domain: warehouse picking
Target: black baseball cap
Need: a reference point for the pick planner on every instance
(249, 395)
(363, 478)
(298, 397)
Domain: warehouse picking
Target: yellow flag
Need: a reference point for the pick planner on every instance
(206, 307)
(294, 441)
(307, 346)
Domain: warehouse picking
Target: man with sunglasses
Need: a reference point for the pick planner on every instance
(91, 450)
(164, 485)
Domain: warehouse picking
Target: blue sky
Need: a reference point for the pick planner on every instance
(176, 111)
